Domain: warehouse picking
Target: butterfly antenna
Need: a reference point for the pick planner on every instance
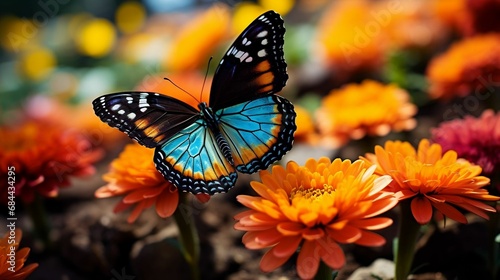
(181, 88)
(204, 80)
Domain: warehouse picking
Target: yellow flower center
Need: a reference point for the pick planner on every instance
(312, 194)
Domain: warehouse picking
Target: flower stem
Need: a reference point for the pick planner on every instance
(188, 235)
(41, 225)
(407, 239)
(324, 272)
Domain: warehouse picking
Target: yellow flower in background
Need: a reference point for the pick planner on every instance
(130, 16)
(37, 64)
(20, 271)
(370, 108)
(467, 67)
(281, 7)
(314, 207)
(245, 12)
(96, 37)
(198, 40)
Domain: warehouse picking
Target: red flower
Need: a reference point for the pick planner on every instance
(43, 158)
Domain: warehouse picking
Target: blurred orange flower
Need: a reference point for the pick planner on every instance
(314, 207)
(305, 126)
(469, 17)
(198, 40)
(134, 175)
(367, 108)
(342, 41)
(44, 157)
(432, 180)
(80, 118)
(7, 243)
(467, 66)
(355, 35)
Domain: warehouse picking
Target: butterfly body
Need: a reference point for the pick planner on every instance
(244, 127)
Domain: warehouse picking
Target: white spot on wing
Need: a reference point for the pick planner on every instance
(262, 53)
(239, 54)
(262, 34)
(243, 57)
(131, 116)
(116, 107)
(249, 59)
(121, 112)
(143, 109)
(264, 42)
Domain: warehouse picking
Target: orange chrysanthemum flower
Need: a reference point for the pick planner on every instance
(12, 261)
(432, 180)
(314, 207)
(134, 175)
(368, 108)
(450, 74)
(198, 40)
(44, 158)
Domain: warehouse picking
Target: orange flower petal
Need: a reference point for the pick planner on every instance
(270, 261)
(421, 209)
(348, 234)
(289, 228)
(372, 224)
(308, 260)
(331, 253)
(287, 246)
(268, 237)
(369, 238)
(450, 212)
(167, 202)
(312, 233)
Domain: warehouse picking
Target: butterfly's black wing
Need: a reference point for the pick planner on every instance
(147, 117)
(253, 66)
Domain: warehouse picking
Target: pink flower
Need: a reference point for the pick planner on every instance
(475, 139)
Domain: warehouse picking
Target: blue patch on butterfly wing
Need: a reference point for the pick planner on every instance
(192, 161)
(259, 131)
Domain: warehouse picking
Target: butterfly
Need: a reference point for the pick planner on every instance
(245, 126)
